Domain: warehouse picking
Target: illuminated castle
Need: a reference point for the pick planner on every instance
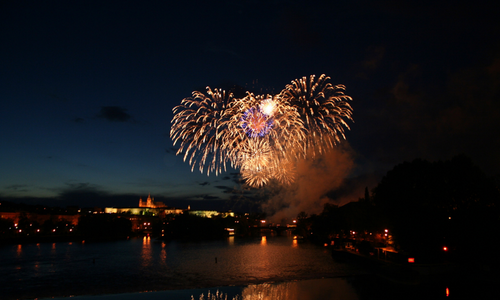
(150, 202)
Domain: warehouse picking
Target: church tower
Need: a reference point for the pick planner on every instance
(150, 201)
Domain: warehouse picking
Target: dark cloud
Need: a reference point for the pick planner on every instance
(18, 187)
(209, 197)
(372, 61)
(204, 183)
(81, 191)
(86, 194)
(171, 150)
(114, 114)
(223, 187)
(78, 120)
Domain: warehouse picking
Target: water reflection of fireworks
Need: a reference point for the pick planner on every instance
(262, 135)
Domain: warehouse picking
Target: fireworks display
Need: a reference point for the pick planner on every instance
(262, 135)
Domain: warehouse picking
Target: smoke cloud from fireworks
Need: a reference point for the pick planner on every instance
(315, 179)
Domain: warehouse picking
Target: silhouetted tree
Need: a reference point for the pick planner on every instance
(431, 205)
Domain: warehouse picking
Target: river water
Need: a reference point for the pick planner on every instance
(278, 266)
(135, 265)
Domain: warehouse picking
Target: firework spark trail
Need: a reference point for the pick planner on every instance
(323, 108)
(263, 135)
(199, 125)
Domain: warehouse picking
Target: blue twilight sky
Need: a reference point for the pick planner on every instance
(87, 87)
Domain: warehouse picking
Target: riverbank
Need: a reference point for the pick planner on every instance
(311, 289)
(359, 287)
(465, 280)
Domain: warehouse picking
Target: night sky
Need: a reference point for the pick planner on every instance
(87, 88)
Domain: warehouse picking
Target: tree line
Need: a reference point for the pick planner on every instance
(424, 207)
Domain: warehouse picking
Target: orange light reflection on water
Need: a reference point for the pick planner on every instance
(146, 252)
(263, 241)
(163, 254)
(298, 290)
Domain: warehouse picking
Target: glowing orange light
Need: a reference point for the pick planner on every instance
(268, 107)
(386, 230)
(447, 292)
(325, 244)
(411, 260)
(445, 248)
(263, 221)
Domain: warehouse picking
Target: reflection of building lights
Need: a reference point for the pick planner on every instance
(263, 241)
(411, 260)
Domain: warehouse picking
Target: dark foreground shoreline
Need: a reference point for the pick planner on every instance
(362, 287)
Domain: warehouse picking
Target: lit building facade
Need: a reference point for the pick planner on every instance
(146, 207)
